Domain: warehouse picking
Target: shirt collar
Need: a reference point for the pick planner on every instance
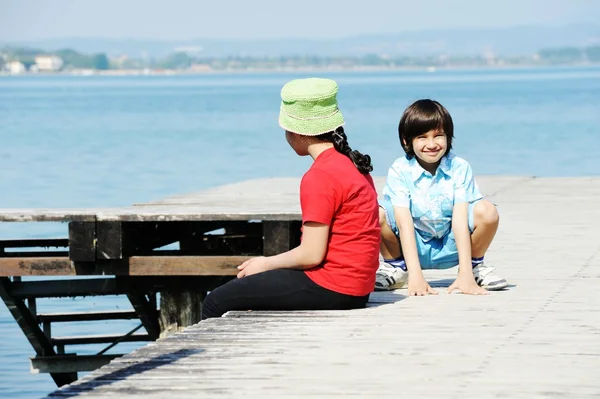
(418, 171)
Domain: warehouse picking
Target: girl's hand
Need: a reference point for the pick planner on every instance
(253, 266)
(467, 285)
(418, 286)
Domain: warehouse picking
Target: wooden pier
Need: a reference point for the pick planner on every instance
(539, 338)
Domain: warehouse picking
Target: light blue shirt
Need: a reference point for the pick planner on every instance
(431, 198)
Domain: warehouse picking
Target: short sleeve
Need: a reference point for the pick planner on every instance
(318, 197)
(465, 187)
(396, 188)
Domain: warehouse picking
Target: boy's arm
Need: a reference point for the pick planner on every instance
(416, 281)
(460, 227)
(462, 236)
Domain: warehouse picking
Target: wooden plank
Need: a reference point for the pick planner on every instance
(53, 266)
(185, 265)
(35, 254)
(48, 215)
(86, 316)
(134, 266)
(35, 243)
(82, 241)
(100, 339)
(213, 212)
(67, 288)
(69, 363)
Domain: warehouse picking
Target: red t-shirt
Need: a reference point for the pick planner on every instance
(335, 193)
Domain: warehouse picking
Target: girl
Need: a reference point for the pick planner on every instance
(334, 266)
(432, 213)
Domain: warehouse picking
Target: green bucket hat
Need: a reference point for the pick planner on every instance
(309, 107)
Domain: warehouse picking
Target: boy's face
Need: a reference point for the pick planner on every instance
(430, 147)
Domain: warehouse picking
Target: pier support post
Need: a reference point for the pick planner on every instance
(179, 310)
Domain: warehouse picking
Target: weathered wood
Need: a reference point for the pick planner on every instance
(277, 237)
(82, 241)
(179, 310)
(35, 254)
(24, 318)
(261, 199)
(113, 286)
(185, 265)
(28, 324)
(110, 240)
(539, 338)
(134, 266)
(48, 215)
(215, 212)
(86, 316)
(67, 288)
(55, 266)
(99, 339)
(35, 243)
(69, 363)
(147, 314)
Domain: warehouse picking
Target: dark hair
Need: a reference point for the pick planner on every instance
(421, 117)
(340, 143)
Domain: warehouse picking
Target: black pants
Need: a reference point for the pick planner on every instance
(281, 289)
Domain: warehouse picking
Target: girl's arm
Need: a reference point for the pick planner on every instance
(310, 253)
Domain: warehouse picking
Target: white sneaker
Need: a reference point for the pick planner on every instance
(389, 277)
(486, 278)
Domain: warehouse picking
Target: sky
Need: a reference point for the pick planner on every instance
(24, 20)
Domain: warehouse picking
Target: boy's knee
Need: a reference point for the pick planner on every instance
(485, 212)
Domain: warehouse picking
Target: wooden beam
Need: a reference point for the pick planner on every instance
(35, 243)
(185, 265)
(25, 319)
(276, 236)
(36, 337)
(67, 288)
(87, 316)
(35, 254)
(43, 266)
(147, 314)
(69, 363)
(110, 240)
(134, 266)
(99, 339)
(82, 241)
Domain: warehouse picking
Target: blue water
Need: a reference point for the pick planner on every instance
(113, 141)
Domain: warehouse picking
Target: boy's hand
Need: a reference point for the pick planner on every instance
(467, 285)
(418, 286)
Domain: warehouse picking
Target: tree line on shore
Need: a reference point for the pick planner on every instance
(183, 61)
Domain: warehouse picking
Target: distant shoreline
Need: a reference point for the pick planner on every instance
(250, 71)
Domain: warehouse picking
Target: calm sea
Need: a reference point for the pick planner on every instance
(113, 141)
